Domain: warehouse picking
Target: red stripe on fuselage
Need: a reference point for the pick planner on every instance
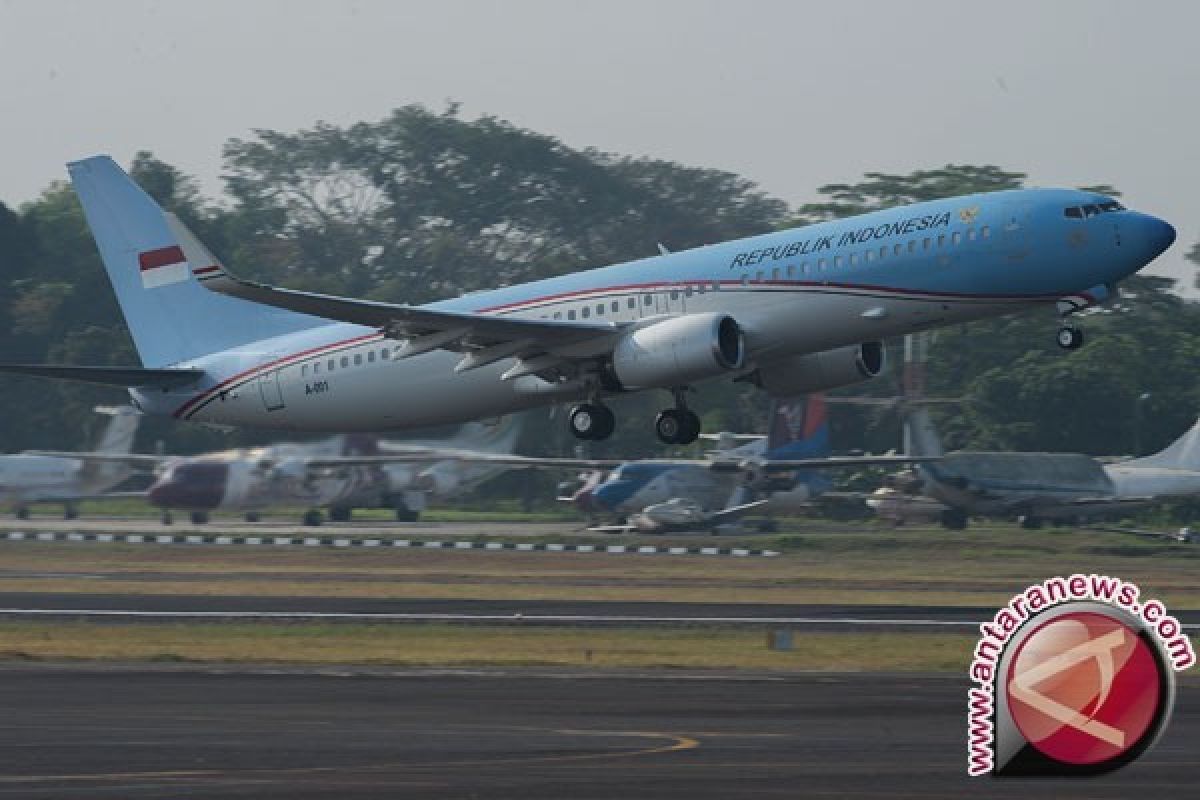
(162, 257)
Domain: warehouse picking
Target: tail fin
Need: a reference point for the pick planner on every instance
(170, 316)
(117, 438)
(920, 436)
(1183, 453)
(798, 428)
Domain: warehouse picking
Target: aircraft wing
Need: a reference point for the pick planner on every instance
(468, 457)
(482, 338)
(717, 465)
(123, 377)
(789, 465)
(131, 459)
(734, 512)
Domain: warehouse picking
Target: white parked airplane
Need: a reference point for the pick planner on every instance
(67, 478)
(792, 311)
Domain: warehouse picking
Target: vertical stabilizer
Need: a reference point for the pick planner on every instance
(171, 317)
(1183, 453)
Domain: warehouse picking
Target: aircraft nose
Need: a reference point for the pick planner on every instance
(1157, 234)
(194, 487)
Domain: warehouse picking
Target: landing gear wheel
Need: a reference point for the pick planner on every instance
(22, 513)
(199, 517)
(312, 518)
(677, 426)
(592, 422)
(341, 513)
(1070, 337)
(70, 512)
(167, 519)
(252, 516)
(405, 514)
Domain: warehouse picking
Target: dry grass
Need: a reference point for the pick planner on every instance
(424, 645)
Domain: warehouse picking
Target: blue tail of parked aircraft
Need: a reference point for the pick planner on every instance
(799, 428)
(170, 316)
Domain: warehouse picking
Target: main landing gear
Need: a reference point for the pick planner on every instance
(678, 425)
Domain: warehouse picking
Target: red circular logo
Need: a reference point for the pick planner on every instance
(1084, 688)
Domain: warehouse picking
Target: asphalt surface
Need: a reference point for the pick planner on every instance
(141, 732)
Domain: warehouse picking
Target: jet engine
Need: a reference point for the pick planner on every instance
(441, 479)
(817, 372)
(678, 351)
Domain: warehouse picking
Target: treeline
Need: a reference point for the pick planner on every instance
(423, 205)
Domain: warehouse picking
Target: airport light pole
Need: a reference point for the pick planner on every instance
(1137, 422)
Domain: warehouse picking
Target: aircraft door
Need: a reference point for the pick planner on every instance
(662, 303)
(272, 393)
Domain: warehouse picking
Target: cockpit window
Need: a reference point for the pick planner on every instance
(1083, 212)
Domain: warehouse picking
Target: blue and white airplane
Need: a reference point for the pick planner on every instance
(793, 311)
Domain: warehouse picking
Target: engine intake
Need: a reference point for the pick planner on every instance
(818, 372)
(678, 351)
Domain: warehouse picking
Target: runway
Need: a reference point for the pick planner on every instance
(149, 608)
(145, 732)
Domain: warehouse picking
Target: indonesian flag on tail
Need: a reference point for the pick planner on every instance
(163, 267)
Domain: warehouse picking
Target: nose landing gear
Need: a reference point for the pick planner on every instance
(1070, 337)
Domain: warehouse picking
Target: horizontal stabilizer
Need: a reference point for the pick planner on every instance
(110, 376)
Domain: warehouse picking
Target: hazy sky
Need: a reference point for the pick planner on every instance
(790, 94)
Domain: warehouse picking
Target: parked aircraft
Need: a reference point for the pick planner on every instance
(1041, 486)
(792, 311)
(338, 474)
(68, 478)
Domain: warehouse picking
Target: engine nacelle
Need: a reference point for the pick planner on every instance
(817, 372)
(441, 479)
(678, 351)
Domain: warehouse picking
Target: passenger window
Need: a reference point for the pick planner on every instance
(853, 259)
(571, 314)
(941, 240)
(1073, 213)
(791, 270)
(687, 291)
(837, 262)
(370, 356)
(384, 353)
(558, 315)
(586, 312)
(304, 371)
(867, 256)
(701, 288)
(357, 359)
(898, 249)
(316, 367)
(926, 245)
(330, 365)
(648, 300)
(345, 361)
(821, 265)
(674, 294)
(616, 306)
(971, 235)
(956, 238)
(631, 302)
(883, 251)
(985, 231)
(600, 309)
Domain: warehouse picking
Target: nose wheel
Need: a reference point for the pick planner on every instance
(1070, 337)
(592, 421)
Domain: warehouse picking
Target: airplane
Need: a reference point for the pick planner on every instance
(667, 494)
(338, 473)
(792, 311)
(1041, 486)
(68, 478)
